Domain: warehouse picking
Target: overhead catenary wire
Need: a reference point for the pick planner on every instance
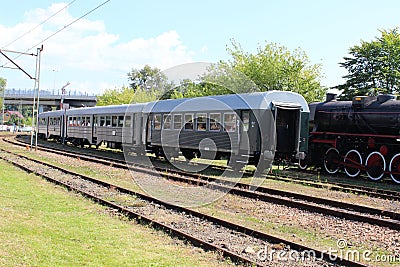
(63, 28)
(34, 28)
(69, 24)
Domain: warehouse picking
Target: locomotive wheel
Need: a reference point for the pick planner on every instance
(375, 165)
(352, 163)
(303, 164)
(332, 160)
(394, 168)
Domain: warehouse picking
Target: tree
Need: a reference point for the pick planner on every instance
(146, 84)
(148, 78)
(125, 95)
(373, 67)
(204, 87)
(274, 67)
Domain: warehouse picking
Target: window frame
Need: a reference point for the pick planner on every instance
(215, 122)
(201, 115)
(167, 121)
(232, 123)
(188, 122)
(177, 125)
(128, 121)
(157, 123)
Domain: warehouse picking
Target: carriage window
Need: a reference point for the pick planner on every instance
(78, 121)
(120, 121)
(114, 121)
(84, 121)
(96, 121)
(201, 122)
(230, 122)
(189, 122)
(245, 120)
(127, 121)
(102, 121)
(108, 121)
(87, 121)
(157, 121)
(215, 119)
(69, 121)
(167, 121)
(177, 121)
(75, 123)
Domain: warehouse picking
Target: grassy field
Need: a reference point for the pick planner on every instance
(45, 225)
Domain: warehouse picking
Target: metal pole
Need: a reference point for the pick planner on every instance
(35, 107)
(33, 110)
(39, 50)
(4, 97)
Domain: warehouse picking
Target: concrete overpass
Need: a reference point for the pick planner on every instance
(48, 99)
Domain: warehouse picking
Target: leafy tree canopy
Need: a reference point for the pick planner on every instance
(148, 78)
(126, 95)
(274, 67)
(146, 84)
(373, 67)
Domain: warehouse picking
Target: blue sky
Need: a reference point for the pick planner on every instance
(98, 51)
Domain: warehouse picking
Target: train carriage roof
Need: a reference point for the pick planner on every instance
(260, 100)
(114, 109)
(55, 113)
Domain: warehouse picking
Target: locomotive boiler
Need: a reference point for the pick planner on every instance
(362, 135)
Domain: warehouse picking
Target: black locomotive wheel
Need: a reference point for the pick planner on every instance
(303, 163)
(394, 168)
(352, 163)
(375, 166)
(332, 160)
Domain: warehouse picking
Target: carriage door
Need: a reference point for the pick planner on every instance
(248, 140)
(287, 118)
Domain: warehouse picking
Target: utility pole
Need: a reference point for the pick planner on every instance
(36, 97)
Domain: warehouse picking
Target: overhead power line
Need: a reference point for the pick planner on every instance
(66, 26)
(63, 28)
(43, 22)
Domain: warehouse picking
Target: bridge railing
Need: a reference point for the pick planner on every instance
(47, 93)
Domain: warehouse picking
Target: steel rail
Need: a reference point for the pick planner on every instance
(140, 218)
(282, 197)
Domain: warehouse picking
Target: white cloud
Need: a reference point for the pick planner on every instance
(84, 53)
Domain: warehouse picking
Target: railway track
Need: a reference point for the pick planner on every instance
(196, 227)
(339, 209)
(316, 183)
(339, 186)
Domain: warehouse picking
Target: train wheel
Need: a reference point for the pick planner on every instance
(375, 165)
(352, 163)
(303, 164)
(332, 160)
(394, 168)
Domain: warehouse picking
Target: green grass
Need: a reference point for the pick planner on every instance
(45, 225)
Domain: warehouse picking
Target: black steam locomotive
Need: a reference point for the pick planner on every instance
(358, 135)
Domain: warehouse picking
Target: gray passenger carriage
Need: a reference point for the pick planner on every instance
(50, 124)
(243, 128)
(113, 125)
